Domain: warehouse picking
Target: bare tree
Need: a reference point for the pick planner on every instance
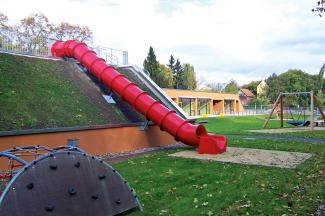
(4, 26)
(67, 31)
(33, 31)
(216, 87)
(3, 21)
(5, 29)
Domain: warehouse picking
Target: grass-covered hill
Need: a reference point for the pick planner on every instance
(40, 93)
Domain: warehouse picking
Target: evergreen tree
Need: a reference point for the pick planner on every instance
(151, 64)
(188, 78)
(171, 64)
(177, 74)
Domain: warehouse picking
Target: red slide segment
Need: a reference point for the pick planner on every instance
(168, 120)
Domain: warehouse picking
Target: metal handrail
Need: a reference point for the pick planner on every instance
(40, 46)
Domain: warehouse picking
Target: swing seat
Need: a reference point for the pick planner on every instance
(299, 123)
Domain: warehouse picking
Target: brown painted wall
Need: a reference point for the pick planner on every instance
(218, 107)
(96, 142)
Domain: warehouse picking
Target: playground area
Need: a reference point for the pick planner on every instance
(220, 165)
(165, 183)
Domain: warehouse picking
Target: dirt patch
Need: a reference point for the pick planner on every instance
(286, 130)
(250, 156)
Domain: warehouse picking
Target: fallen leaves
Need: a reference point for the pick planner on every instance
(172, 190)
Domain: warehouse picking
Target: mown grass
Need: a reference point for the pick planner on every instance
(35, 94)
(242, 125)
(176, 186)
(239, 124)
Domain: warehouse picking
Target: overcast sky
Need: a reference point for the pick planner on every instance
(223, 39)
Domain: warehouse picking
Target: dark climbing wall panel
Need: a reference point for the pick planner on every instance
(67, 183)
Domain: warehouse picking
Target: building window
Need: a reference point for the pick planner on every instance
(229, 106)
(203, 106)
(188, 105)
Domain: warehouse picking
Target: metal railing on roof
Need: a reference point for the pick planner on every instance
(112, 56)
(36, 46)
(40, 46)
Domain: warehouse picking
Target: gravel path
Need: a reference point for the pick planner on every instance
(320, 140)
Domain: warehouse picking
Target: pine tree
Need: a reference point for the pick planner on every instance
(171, 64)
(152, 65)
(177, 74)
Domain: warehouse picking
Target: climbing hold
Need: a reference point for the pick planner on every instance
(72, 191)
(77, 164)
(94, 197)
(101, 176)
(30, 186)
(49, 208)
(53, 166)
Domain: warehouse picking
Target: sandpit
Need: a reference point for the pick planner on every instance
(251, 156)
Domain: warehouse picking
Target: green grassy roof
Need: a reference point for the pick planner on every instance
(38, 93)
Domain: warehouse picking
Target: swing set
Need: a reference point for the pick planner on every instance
(278, 105)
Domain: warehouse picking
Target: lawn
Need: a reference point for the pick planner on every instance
(34, 93)
(241, 125)
(175, 186)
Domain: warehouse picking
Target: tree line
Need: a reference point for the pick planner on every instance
(37, 27)
(293, 80)
(173, 75)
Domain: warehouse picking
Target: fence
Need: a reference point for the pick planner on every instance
(36, 46)
(288, 112)
(113, 56)
(250, 110)
(40, 46)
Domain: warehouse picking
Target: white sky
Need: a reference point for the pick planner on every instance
(223, 39)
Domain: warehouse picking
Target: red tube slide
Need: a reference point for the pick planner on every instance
(168, 120)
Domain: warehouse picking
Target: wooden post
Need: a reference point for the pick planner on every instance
(311, 110)
(274, 107)
(196, 112)
(211, 107)
(281, 111)
(319, 107)
(223, 106)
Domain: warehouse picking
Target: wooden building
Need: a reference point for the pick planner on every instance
(200, 103)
